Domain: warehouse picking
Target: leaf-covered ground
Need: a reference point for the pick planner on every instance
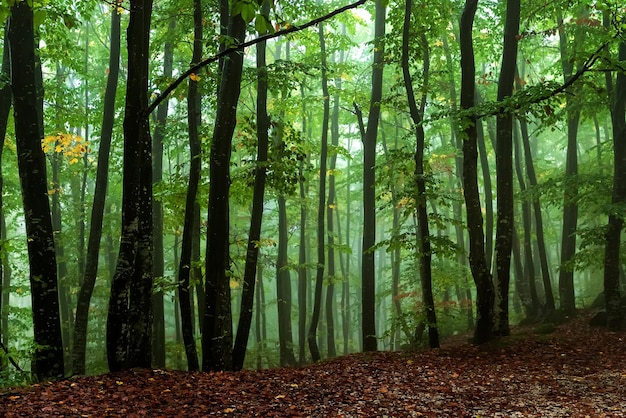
(576, 371)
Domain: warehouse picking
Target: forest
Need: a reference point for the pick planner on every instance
(218, 185)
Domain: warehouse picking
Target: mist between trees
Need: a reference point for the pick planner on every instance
(261, 184)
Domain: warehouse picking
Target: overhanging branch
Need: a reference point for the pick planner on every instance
(240, 47)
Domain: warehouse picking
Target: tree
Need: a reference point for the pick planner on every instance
(477, 261)
(217, 327)
(614, 308)
(129, 322)
(368, 289)
(99, 201)
(194, 119)
(504, 168)
(321, 206)
(256, 215)
(48, 356)
(423, 232)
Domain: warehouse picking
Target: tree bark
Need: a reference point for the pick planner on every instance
(48, 357)
(504, 169)
(129, 322)
(477, 261)
(158, 308)
(217, 335)
(424, 255)
(194, 120)
(321, 207)
(614, 308)
(368, 276)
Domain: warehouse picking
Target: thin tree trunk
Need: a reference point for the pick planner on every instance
(570, 205)
(321, 207)
(477, 261)
(504, 169)
(256, 216)
(158, 308)
(194, 120)
(368, 276)
(614, 308)
(424, 255)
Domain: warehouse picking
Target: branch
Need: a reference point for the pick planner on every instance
(13, 362)
(244, 45)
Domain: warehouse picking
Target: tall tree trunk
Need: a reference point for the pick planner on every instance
(194, 120)
(158, 308)
(504, 168)
(541, 243)
(129, 322)
(477, 261)
(531, 304)
(614, 308)
(423, 231)
(256, 215)
(5, 108)
(217, 335)
(321, 207)
(48, 358)
(303, 277)
(368, 276)
(570, 205)
(97, 210)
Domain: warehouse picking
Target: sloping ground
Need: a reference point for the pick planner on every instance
(576, 371)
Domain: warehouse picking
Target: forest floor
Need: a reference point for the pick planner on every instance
(575, 371)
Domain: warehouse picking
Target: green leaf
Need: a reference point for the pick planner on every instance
(38, 17)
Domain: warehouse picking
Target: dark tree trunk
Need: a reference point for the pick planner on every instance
(217, 335)
(303, 276)
(48, 358)
(504, 169)
(423, 231)
(5, 108)
(614, 308)
(129, 322)
(158, 309)
(477, 261)
(321, 207)
(532, 304)
(368, 276)
(185, 294)
(256, 215)
(570, 195)
(541, 244)
(283, 287)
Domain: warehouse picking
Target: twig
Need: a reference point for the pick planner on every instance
(13, 362)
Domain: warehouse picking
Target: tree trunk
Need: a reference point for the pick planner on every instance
(477, 261)
(129, 323)
(256, 216)
(321, 207)
(614, 308)
(424, 255)
(570, 205)
(194, 120)
(531, 305)
(368, 289)
(158, 309)
(504, 168)
(5, 108)
(97, 210)
(303, 277)
(217, 335)
(48, 358)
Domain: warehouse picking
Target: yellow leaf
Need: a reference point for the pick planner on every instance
(194, 77)
(279, 396)
(229, 410)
